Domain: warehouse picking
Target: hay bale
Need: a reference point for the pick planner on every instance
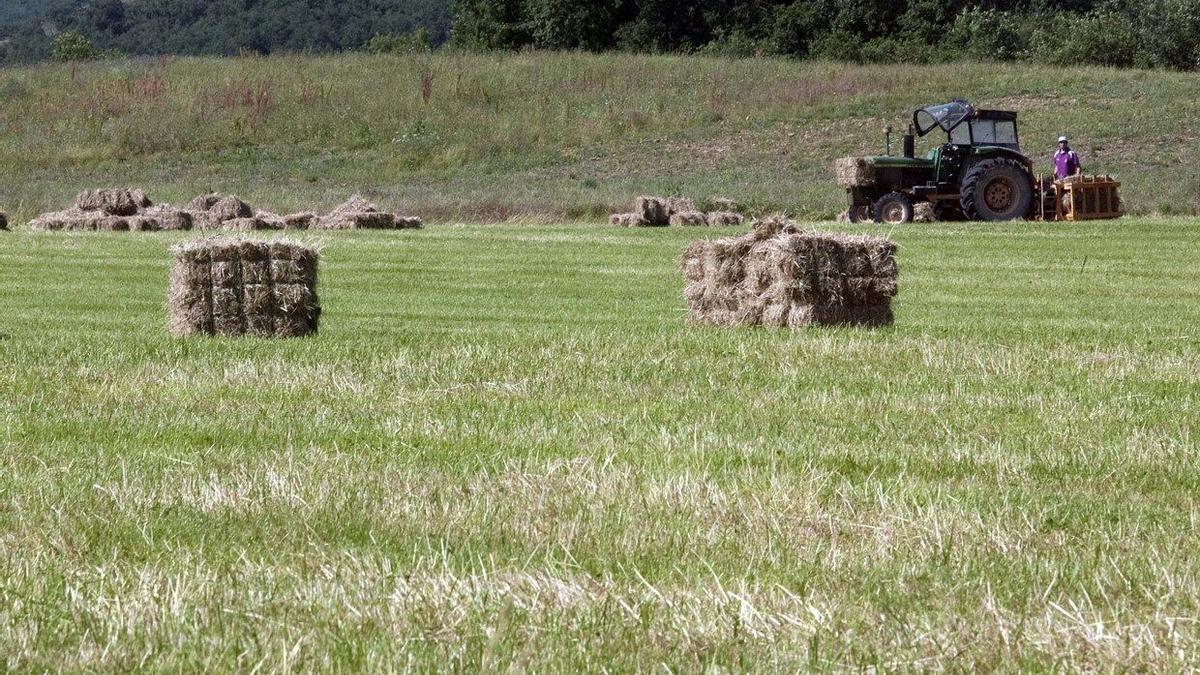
(689, 219)
(854, 172)
(778, 275)
(234, 286)
(204, 202)
(720, 218)
(169, 217)
(359, 214)
(230, 208)
(300, 221)
(627, 220)
(72, 219)
(114, 202)
(246, 225)
(680, 205)
(923, 212)
(653, 210)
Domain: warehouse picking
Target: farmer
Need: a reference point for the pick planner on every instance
(1066, 160)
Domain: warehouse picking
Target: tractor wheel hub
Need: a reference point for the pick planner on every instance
(999, 194)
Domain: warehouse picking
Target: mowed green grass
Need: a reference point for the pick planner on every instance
(506, 450)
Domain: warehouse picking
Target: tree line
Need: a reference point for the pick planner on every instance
(1140, 33)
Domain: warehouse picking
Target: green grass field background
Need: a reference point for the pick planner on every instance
(507, 450)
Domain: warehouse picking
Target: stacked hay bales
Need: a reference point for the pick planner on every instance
(359, 214)
(114, 210)
(779, 275)
(675, 211)
(854, 172)
(234, 287)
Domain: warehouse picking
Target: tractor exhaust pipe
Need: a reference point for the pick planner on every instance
(910, 143)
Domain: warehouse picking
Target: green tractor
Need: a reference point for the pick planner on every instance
(979, 173)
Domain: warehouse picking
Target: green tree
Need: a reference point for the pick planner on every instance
(74, 46)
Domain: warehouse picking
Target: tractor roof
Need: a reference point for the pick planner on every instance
(947, 116)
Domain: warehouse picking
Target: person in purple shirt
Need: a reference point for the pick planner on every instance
(1066, 160)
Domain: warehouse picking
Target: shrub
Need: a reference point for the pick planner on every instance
(74, 46)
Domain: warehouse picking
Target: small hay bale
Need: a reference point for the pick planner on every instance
(627, 220)
(300, 221)
(923, 212)
(229, 208)
(778, 275)
(72, 219)
(854, 172)
(359, 214)
(204, 202)
(653, 210)
(246, 224)
(722, 204)
(169, 217)
(721, 218)
(114, 202)
(234, 287)
(689, 219)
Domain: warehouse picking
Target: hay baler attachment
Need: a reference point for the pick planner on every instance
(1080, 198)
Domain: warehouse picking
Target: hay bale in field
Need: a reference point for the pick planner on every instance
(854, 172)
(231, 208)
(300, 221)
(114, 202)
(722, 204)
(246, 225)
(169, 217)
(689, 219)
(779, 275)
(72, 219)
(359, 214)
(653, 210)
(923, 212)
(719, 218)
(234, 286)
(627, 220)
(204, 202)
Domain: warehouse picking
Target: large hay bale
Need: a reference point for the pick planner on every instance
(854, 172)
(234, 286)
(114, 202)
(689, 219)
(653, 210)
(204, 202)
(778, 275)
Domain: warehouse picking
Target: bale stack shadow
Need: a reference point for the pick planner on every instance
(779, 275)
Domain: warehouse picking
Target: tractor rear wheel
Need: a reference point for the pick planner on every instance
(894, 208)
(996, 189)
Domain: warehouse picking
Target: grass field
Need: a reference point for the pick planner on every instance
(548, 137)
(506, 450)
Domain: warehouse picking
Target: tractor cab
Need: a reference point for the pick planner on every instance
(966, 126)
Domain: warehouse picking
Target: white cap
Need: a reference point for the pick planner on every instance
(1062, 139)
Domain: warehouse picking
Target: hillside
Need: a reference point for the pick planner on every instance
(542, 134)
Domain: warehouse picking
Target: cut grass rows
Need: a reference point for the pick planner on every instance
(506, 448)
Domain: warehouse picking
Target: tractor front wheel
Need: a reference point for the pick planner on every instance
(996, 189)
(894, 208)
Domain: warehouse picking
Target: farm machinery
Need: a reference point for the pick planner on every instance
(979, 173)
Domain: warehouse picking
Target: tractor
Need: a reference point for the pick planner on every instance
(979, 173)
